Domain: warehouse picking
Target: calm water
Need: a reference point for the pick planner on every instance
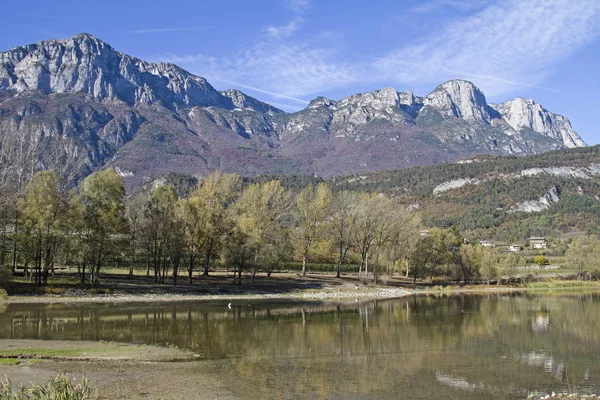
(460, 347)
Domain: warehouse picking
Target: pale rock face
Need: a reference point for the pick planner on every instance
(407, 98)
(86, 64)
(460, 99)
(525, 113)
(539, 205)
(592, 171)
(378, 100)
(321, 102)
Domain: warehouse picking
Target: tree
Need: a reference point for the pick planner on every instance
(424, 258)
(134, 212)
(584, 254)
(541, 260)
(260, 211)
(159, 217)
(310, 211)
(440, 253)
(471, 260)
(103, 196)
(340, 221)
(508, 267)
(176, 242)
(45, 216)
(403, 238)
(208, 212)
(489, 264)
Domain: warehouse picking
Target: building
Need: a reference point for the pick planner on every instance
(486, 243)
(515, 248)
(538, 242)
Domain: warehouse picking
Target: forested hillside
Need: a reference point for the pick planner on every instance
(503, 198)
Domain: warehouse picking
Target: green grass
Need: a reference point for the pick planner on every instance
(41, 352)
(556, 284)
(60, 387)
(8, 361)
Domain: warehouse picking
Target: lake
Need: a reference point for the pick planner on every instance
(459, 347)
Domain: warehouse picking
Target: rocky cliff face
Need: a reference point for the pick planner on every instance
(81, 97)
(528, 114)
(85, 64)
(460, 99)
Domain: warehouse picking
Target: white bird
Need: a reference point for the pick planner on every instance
(229, 305)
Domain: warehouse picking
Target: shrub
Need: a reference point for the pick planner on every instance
(58, 388)
(541, 260)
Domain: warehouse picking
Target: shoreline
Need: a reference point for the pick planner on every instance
(379, 293)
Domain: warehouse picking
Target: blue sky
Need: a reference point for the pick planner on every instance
(287, 52)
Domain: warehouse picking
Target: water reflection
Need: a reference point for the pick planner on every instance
(424, 347)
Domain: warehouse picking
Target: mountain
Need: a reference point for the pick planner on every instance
(80, 100)
(505, 198)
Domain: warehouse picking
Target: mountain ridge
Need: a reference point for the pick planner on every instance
(81, 96)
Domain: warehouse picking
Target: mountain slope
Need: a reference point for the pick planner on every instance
(82, 100)
(504, 198)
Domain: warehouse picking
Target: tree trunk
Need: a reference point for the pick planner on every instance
(15, 234)
(208, 255)
(191, 268)
(339, 268)
(304, 261)
(132, 266)
(305, 255)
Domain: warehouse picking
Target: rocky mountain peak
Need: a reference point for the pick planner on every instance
(378, 99)
(241, 101)
(461, 99)
(86, 64)
(523, 113)
(321, 102)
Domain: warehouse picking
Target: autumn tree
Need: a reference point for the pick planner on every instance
(208, 216)
(158, 216)
(45, 216)
(134, 212)
(309, 215)
(490, 265)
(404, 234)
(261, 209)
(340, 221)
(584, 255)
(103, 196)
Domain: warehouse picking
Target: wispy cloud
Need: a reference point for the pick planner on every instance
(292, 70)
(172, 29)
(298, 6)
(514, 43)
(503, 47)
(284, 31)
(437, 5)
(259, 90)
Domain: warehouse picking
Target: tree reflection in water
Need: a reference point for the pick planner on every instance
(424, 347)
